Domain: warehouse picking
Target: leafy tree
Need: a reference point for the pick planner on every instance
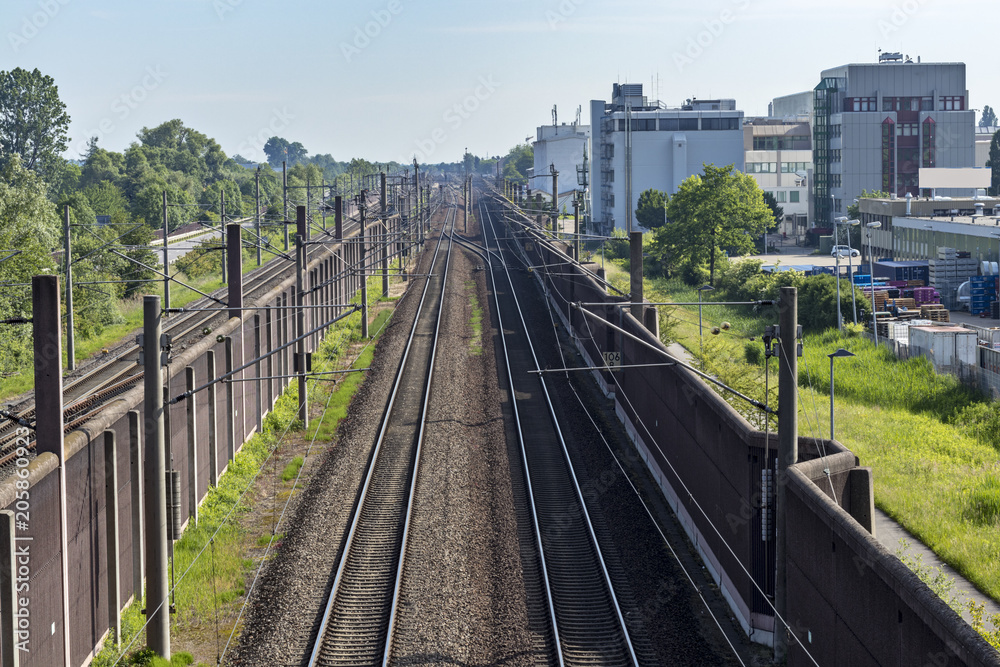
(280, 150)
(721, 208)
(994, 164)
(854, 210)
(989, 117)
(33, 120)
(28, 225)
(652, 208)
(102, 166)
(777, 211)
(518, 161)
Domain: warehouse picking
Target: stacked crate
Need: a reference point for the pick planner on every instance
(983, 292)
(950, 269)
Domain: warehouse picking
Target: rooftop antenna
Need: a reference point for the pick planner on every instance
(555, 115)
(579, 111)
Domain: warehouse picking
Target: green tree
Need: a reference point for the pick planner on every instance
(721, 208)
(651, 211)
(989, 117)
(518, 161)
(994, 164)
(33, 120)
(854, 210)
(28, 226)
(777, 211)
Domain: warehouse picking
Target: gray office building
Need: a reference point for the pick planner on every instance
(875, 125)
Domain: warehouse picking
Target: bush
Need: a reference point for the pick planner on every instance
(753, 352)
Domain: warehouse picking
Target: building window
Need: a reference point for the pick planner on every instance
(670, 124)
(836, 130)
(760, 168)
(835, 155)
(643, 124)
(793, 196)
(689, 124)
(835, 180)
(860, 104)
(930, 129)
(953, 103)
(621, 124)
(906, 130)
(927, 103)
(888, 155)
(838, 205)
(720, 123)
(780, 196)
(792, 167)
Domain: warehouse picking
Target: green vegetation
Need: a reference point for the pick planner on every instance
(291, 470)
(651, 209)
(932, 443)
(721, 209)
(944, 586)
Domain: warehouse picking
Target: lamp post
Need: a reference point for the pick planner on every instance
(839, 353)
(701, 290)
(850, 268)
(871, 275)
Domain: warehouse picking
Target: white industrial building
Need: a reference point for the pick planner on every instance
(662, 147)
(559, 147)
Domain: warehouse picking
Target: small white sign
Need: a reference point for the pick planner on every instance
(613, 359)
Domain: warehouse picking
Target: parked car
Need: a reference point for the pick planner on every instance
(845, 251)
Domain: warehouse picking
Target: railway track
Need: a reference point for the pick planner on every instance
(85, 395)
(587, 624)
(358, 619)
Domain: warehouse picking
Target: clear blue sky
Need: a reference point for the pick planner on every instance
(437, 77)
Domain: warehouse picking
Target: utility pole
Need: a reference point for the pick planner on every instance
(555, 198)
(222, 228)
(166, 256)
(154, 482)
(385, 235)
(47, 339)
(70, 346)
(256, 216)
(234, 243)
(284, 195)
(788, 454)
(300, 315)
(362, 210)
(576, 226)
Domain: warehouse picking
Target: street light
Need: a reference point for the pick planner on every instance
(871, 275)
(839, 353)
(842, 220)
(702, 289)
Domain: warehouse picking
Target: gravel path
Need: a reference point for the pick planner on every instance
(463, 598)
(288, 602)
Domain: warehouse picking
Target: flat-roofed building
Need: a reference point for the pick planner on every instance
(658, 148)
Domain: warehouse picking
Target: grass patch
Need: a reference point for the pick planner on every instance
(932, 443)
(291, 470)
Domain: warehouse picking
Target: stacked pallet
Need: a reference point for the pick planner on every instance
(914, 283)
(949, 270)
(935, 313)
